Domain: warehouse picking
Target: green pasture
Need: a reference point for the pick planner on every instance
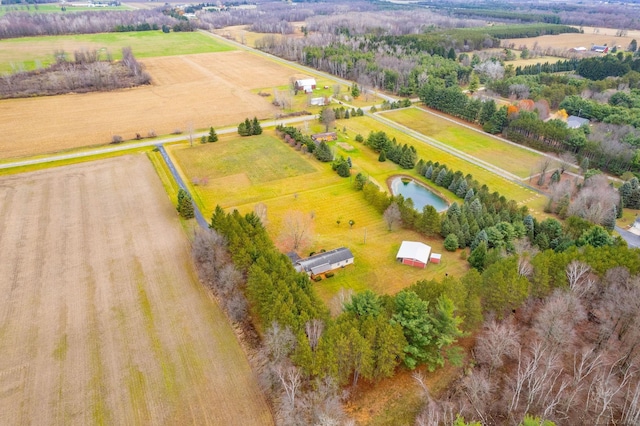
(54, 8)
(30, 52)
(513, 159)
(243, 172)
(364, 125)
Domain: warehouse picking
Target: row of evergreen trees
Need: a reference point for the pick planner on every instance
(369, 339)
(250, 127)
(403, 155)
(451, 100)
(539, 68)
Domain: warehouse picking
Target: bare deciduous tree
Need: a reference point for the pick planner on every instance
(279, 342)
(260, 210)
(499, 340)
(392, 216)
(297, 230)
(314, 329)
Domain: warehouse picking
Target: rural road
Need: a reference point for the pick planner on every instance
(199, 217)
(126, 146)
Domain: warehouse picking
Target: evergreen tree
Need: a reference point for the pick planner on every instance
(364, 303)
(429, 172)
(343, 169)
(412, 314)
(360, 181)
(487, 111)
(469, 195)
(355, 90)
(430, 221)
(407, 160)
(243, 130)
(256, 129)
(451, 242)
(213, 137)
(323, 152)
(441, 177)
(462, 189)
(382, 157)
(185, 204)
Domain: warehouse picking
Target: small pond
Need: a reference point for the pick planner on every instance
(420, 195)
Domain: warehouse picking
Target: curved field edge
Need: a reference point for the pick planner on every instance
(29, 52)
(102, 319)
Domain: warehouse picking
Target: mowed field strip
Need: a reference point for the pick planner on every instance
(25, 51)
(514, 159)
(199, 90)
(102, 319)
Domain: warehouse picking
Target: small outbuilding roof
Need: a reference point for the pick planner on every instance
(574, 122)
(414, 250)
(306, 82)
(317, 263)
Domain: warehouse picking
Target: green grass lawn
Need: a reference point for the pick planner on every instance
(29, 52)
(55, 8)
(511, 158)
(364, 125)
(243, 172)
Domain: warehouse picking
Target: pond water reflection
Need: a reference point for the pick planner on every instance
(420, 195)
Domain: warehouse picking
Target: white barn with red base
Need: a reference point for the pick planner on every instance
(414, 253)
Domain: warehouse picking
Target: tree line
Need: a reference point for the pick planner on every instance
(303, 347)
(88, 72)
(38, 24)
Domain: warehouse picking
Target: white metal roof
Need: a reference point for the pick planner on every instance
(414, 250)
(306, 82)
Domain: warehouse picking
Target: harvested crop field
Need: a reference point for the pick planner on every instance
(210, 89)
(599, 36)
(102, 320)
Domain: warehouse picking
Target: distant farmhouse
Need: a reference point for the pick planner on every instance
(307, 85)
(574, 122)
(578, 49)
(323, 262)
(414, 253)
(318, 101)
(599, 49)
(324, 137)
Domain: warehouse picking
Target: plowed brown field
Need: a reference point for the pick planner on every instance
(210, 89)
(102, 320)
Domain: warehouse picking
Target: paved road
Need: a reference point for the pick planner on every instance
(198, 214)
(633, 241)
(126, 146)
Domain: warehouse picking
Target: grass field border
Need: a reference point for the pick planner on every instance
(511, 158)
(29, 52)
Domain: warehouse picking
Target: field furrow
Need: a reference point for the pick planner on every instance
(106, 322)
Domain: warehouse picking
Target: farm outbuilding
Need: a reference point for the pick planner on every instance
(414, 253)
(325, 262)
(318, 101)
(599, 49)
(435, 258)
(574, 122)
(324, 137)
(307, 85)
